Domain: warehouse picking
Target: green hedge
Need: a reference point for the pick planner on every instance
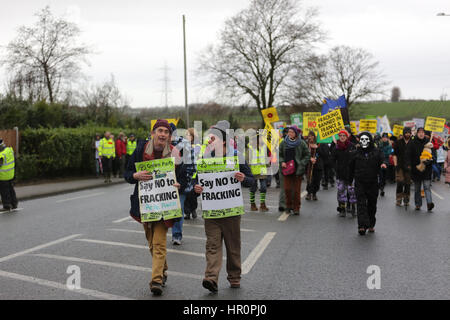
(60, 151)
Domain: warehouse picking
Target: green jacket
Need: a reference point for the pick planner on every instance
(302, 156)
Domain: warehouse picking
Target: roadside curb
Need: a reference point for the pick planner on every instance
(68, 190)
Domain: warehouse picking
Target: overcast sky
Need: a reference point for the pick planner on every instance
(135, 38)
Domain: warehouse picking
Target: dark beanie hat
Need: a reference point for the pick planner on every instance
(420, 128)
(162, 123)
(406, 130)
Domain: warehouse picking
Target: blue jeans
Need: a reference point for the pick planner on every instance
(262, 185)
(417, 192)
(177, 229)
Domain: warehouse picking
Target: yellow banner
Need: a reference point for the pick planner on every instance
(329, 124)
(174, 121)
(435, 124)
(353, 128)
(369, 125)
(397, 130)
(310, 122)
(270, 115)
(270, 137)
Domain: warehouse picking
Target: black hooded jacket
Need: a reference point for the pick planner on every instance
(412, 159)
(365, 163)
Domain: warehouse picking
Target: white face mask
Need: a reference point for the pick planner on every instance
(364, 140)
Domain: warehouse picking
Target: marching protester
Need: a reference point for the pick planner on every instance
(7, 169)
(364, 168)
(98, 163)
(158, 147)
(190, 203)
(121, 151)
(341, 155)
(438, 158)
(224, 229)
(328, 166)
(385, 146)
(403, 173)
(131, 146)
(294, 157)
(282, 194)
(420, 165)
(257, 160)
(107, 152)
(315, 167)
(447, 164)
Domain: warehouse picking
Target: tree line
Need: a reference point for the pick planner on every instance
(265, 56)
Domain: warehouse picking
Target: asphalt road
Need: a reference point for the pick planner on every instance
(316, 255)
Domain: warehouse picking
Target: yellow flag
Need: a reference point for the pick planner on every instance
(270, 115)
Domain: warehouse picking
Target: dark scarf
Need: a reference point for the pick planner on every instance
(291, 144)
(342, 145)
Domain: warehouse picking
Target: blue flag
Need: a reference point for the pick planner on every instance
(331, 105)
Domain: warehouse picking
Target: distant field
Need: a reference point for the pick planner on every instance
(403, 110)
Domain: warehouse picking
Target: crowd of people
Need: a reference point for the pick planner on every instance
(359, 166)
(111, 156)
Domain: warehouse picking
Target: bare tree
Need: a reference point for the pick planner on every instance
(258, 50)
(344, 70)
(46, 53)
(103, 99)
(395, 94)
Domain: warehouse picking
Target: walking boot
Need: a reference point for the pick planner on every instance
(253, 207)
(263, 207)
(308, 196)
(406, 202)
(398, 201)
(430, 206)
(341, 209)
(314, 197)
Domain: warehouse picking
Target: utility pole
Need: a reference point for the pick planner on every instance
(185, 74)
(166, 81)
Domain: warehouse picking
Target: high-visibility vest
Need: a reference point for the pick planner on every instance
(7, 167)
(257, 161)
(107, 148)
(202, 150)
(131, 146)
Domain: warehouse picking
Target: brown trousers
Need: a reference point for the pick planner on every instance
(227, 230)
(293, 183)
(156, 234)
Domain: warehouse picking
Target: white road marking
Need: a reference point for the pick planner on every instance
(257, 252)
(52, 284)
(285, 215)
(129, 245)
(169, 233)
(81, 197)
(115, 265)
(437, 195)
(42, 246)
(12, 210)
(122, 220)
(202, 226)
